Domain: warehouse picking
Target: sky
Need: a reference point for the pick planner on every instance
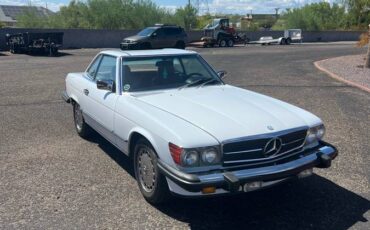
(214, 6)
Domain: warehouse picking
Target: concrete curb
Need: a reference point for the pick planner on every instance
(338, 78)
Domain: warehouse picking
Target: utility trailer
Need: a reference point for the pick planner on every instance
(220, 33)
(30, 42)
(291, 35)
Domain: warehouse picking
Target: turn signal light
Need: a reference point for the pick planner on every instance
(208, 190)
(175, 153)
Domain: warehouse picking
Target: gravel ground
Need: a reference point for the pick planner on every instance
(349, 68)
(52, 179)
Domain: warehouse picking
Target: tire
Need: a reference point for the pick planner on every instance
(146, 46)
(282, 41)
(222, 43)
(53, 51)
(152, 184)
(230, 43)
(14, 49)
(180, 45)
(288, 41)
(82, 128)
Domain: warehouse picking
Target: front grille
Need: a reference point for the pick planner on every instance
(244, 151)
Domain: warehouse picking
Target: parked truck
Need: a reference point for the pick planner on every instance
(220, 33)
(30, 42)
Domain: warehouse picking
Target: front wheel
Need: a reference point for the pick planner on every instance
(152, 183)
(82, 128)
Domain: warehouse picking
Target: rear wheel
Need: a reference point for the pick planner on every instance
(288, 41)
(53, 51)
(222, 43)
(230, 43)
(82, 128)
(180, 45)
(152, 183)
(14, 49)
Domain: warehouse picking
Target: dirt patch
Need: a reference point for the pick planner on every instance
(349, 69)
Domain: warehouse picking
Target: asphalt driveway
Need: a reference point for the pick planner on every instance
(51, 178)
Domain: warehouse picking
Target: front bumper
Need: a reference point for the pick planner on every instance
(231, 181)
(65, 96)
(129, 46)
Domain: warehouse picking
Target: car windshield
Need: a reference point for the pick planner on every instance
(146, 32)
(166, 72)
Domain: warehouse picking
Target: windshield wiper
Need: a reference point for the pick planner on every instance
(209, 81)
(193, 83)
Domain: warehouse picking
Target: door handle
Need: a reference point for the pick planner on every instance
(86, 92)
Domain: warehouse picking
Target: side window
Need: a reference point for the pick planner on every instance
(194, 66)
(93, 68)
(177, 65)
(176, 31)
(107, 69)
(160, 32)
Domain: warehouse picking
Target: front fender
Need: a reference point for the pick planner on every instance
(159, 144)
(74, 98)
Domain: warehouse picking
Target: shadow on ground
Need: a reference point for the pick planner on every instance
(41, 54)
(311, 203)
(36, 54)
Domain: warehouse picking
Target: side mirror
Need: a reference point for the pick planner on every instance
(105, 85)
(222, 74)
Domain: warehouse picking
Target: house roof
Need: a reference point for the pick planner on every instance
(10, 13)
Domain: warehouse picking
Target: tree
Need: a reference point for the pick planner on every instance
(186, 17)
(316, 16)
(30, 19)
(367, 64)
(358, 13)
(1, 25)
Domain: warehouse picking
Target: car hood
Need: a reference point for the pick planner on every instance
(226, 112)
(135, 38)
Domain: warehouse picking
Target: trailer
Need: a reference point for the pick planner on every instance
(30, 42)
(220, 33)
(291, 35)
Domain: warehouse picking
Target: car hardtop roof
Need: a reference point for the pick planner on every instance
(146, 53)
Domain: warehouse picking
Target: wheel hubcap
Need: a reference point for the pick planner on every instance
(146, 170)
(78, 117)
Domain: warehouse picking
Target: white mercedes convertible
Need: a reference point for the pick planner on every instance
(188, 132)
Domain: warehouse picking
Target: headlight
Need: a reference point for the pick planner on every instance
(314, 134)
(210, 156)
(190, 158)
(320, 132)
(193, 157)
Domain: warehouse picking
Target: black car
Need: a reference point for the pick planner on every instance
(158, 36)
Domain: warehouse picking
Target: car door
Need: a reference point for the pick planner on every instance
(158, 39)
(84, 84)
(99, 103)
(169, 37)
